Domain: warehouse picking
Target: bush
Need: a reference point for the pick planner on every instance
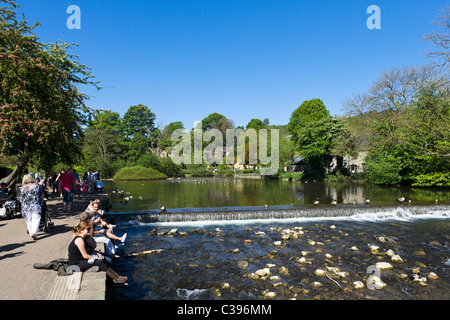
(384, 170)
(149, 160)
(169, 168)
(359, 176)
(337, 177)
(297, 176)
(287, 175)
(139, 173)
(225, 173)
(437, 179)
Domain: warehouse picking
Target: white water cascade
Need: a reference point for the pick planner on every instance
(352, 213)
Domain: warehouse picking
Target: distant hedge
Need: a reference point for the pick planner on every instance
(138, 173)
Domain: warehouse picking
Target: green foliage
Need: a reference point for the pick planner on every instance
(295, 176)
(108, 120)
(411, 143)
(41, 109)
(167, 132)
(438, 179)
(384, 169)
(169, 168)
(136, 146)
(318, 137)
(286, 152)
(306, 114)
(314, 141)
(138, 173)
(338, 177)
(104, 144)
(164, 165)
(255, 124)
(216, 121)
(139, 120)
(149, 160)
(225, 172)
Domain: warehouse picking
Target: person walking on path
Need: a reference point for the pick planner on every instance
(67, 187)
(31, 198)
(91, 181)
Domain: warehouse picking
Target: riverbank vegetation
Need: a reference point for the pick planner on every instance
(138, 173)
(402, 123)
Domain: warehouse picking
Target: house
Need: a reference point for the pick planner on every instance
(357, 164)
(297, 165)
(353, 165)
(220, 152)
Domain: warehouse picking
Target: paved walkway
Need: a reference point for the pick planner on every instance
(18, 251)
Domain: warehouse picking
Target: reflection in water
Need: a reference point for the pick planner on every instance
(200, 193)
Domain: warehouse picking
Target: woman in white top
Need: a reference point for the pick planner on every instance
(31, 198)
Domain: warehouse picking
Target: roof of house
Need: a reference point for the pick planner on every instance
(298, 160)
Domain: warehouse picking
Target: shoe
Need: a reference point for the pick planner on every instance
(69, 212)
(115, 277)
(43, 265)
(124, 237)
(34, 236)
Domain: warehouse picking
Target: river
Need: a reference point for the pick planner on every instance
(216, 234)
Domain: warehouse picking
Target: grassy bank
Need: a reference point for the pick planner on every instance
(138, 173)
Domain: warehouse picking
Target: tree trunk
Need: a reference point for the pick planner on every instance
(16, 174)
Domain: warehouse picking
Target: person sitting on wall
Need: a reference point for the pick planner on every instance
(81, 260)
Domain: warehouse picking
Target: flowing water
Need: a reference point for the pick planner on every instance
(217, 233)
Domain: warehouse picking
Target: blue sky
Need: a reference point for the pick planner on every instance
(244, 59)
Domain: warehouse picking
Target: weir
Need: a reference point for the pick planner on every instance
(359, 213)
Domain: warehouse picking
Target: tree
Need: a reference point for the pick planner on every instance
(137, 146)
(108, 120)
(308, 112)
(315, 140)
(41, 109)
(425, 134)
(104, 143)
(286, 152)
(168, 130)
(169, 168)
(441, 40)
(217, 121)
(255, 124)
(139, 120)
(306, 125)
(148, 160)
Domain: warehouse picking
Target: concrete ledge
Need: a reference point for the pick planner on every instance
(93, 286)
(66, 287)
(80, 285)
